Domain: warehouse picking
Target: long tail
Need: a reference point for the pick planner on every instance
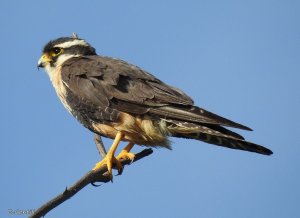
(216, 135)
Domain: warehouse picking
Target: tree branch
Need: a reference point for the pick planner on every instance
(99, 175)
(99, 145)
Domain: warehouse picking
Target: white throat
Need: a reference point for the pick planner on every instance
(51, 70)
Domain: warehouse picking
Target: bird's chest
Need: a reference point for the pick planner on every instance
(60, 89)
(70, 101)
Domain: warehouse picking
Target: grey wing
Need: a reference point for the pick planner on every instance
(84, 95)
(115, 84)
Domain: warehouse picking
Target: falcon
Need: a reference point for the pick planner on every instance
(123, 102)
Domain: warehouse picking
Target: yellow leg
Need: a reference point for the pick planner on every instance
(125, 153)
(110, 159)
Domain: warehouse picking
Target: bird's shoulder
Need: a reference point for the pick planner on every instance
(106, 68)
(122, 80)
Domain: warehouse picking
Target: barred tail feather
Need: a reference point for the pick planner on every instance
(227, 142)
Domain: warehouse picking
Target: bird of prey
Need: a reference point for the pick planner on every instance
(123, 102)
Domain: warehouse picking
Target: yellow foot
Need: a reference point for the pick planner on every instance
(124, 154)
(110, 161)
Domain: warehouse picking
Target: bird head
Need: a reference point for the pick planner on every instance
(57, 51)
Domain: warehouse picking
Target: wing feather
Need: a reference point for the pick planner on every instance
(109, 82)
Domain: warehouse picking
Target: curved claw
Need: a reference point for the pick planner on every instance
(124, 154)
(94, 184)
(110, 161)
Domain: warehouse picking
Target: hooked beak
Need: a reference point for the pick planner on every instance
(44, 59)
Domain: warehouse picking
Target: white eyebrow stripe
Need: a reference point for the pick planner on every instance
(71, 43)
(63, 58)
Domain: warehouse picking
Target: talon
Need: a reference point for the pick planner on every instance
(94, 184)
(119, 166)
(126, 155)
(110, 161)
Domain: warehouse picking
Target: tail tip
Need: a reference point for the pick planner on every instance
(267, 151)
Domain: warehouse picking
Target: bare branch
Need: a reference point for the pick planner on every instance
(98, 175)
(99, 145)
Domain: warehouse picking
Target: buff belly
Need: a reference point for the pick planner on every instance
(138, 130)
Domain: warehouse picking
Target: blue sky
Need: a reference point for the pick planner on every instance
(240, 59)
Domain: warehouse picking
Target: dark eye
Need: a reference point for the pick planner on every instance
(56, 50)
